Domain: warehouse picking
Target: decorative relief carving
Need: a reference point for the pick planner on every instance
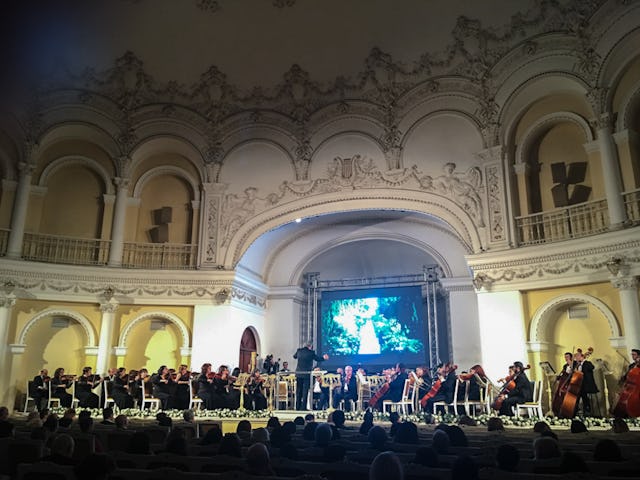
(211, 246)
(494, 193)
(239, 208)
(625, 283)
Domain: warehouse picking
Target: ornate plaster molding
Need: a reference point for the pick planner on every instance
(170, 317)
(63, 312)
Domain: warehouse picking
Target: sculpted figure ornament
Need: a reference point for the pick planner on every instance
(239, 208)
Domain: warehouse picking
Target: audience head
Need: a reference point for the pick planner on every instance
(457, 436)
(107, 413)
(273, 422)
(323, 435)
(309, 431)
(63, 445)
(33, 420)
(607, 450)
(578, 427)
(467, 420)
(188, 416)
(338, 418)
(261, 435)
(213, 436)
(289, 428)
(139, 443)
(394, 417)
(377, 437)
(51, 423)
(572, 462)
(84, 414)
(440, 442)
(507, 457)
(544, 448)
(243, 426)
(95, 466)
(619, 425)
(258, 460)
(122, 422)
(299, 421)
(386, 466)
(334, 453)
(4, 414)
(495, 424)
(230, 445)
(407, 433)
(309, 417)
(426, 456)
(464, 468)
(86, 424)
(541, 426)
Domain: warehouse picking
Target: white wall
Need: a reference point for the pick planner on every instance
(283, 324)
(465, 327)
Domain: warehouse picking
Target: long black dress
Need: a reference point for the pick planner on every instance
(86, 397)
(120, 392)
(254, 398)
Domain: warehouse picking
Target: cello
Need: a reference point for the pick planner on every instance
(628, 404)
(564, 405)
(509, 386)
(383, 389)
(435, 387)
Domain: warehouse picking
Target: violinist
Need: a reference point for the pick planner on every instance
(448, 379)
(138, 382)
(224, 395)
(254, 398)
(162, 386)
(270, 366)
(588, 381)
(521, 393)
(40, 388)
(320, 391)
(506, 379)
(84, 386)
(59, 384)
(204, 382)
(182, 380)
(348, 389)
(120, 390)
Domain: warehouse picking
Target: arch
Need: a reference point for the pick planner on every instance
(81, 130)
(68, 160)
(264, 140)
(184, 331)
(630, 105)
(545, 123)
(541, 318)
(367, 199)
(343, 133)
(473, 122)
(164, 170)
(248, 343)
(81, 319)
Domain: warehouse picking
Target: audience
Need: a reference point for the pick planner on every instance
(6, 427)
(367, 423)
(230, 445)
(309, 431)
(545, 448)
(386, 466)
(261, 435)
(495, 424)
(243, 430)
(440, 442)
(258, 460)
(377, 437)
(299, 421)
(407, 432)
(61, 450)
(457, 438)
(394, 418)
(213, 436)
(619, 425)
(578, 427)
(508, 457)
(107, 416)
(188, 416)
(426, 456)
(338, 419)
(273, 423)
(607, 450)
(122, 422)
(309, 417)
(323, 435)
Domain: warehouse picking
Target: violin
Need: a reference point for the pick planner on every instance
(509, 386)
(435, 387)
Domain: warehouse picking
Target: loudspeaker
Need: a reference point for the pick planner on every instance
(559, 172)
(162, 216)
(159, 234)
(577, 172)
(580, 194)
(560, 196)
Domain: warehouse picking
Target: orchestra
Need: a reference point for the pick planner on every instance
(573, 386)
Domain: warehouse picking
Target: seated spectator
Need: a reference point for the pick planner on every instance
(545, 448)
(33, 420)
(213, 436)
(176, 443)
(572, 463)
(334, 453)
(67, 418)
(259, 461)
(95, 467)
(508, 457)
(457, 437)
(188, 416)
(578, 427)
(541, 426)
(323, 435)
(122, 422)
(464, 468)
(299, 421)
(289, 428)
(84, 414)
(495, 424)
(549, 433)
(164, 420)
(386, 466)
(107, 416)
(607, 450)
(243, 430)
(289, 450)
(440, 442)
(230, 445)
(279, 437)
(273, 423)
(377, 437)
(86, 426)
(394, 418)
(367, 423)
(51, 423)
(44, 413)
(139, 444)
(467, 420)
(426, 456)
(61, 450)
(261, 435)
(309, 417)
(309, 432)
(338, 419)
(619, 425)
(6, 427)
(407, 432)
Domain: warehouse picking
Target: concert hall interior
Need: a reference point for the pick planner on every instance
(421, 182)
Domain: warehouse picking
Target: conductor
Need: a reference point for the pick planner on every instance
(305, 356)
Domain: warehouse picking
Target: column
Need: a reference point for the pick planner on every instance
(119, 217)
(20, 206)
(465, 328)
(610, 169)
(627, 287)
(105, 342)
(7, 301)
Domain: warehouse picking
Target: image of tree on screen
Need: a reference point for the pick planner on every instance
(369, 326)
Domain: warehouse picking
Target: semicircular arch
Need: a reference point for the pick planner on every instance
(165, 170)
(69, 160)
(182, 327)
(61, 312)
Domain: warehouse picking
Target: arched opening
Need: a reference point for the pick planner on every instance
(157, 341)
(248, 350)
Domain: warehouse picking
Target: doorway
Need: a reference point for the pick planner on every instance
(248, 351)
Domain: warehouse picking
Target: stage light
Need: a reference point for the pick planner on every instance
(298, 220)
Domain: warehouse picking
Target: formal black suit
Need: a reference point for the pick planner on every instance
(520, 394)
(39, 391)
(445, 393)
(348, 391)
(305, 357)
(588, 384)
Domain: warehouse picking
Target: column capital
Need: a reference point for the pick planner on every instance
(214, 188)
(625, 283)
(26, 168)
(122, 182)
(604, 121)
(109, 307)
(521, 168)
(7, 301)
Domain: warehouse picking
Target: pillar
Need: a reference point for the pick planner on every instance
(465, 328)
(610, 169)
(7, 301)
(105, 342)
(118, 224)
(20, 207)
(627, 287)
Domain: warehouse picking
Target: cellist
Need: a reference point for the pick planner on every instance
(635, 356)
(588, 381)
(396, 384)
(448, 379)
(520, 394)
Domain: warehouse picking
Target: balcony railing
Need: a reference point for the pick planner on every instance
(632, 204)
(4, 241)
(59, 249)
(160, 255)
(560, 224)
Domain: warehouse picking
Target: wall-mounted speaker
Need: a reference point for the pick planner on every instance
(162, 216)
(159, 234)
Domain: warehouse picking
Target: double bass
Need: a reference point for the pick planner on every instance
(435, 387)
(509, 386)
(628, 404)
(568, 391)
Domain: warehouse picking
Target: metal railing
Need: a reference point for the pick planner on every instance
(4, 241)
(576, 221)
(632, 204)
(59, 249)
(160, 255)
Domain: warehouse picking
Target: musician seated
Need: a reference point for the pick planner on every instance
(59, 385)
(254, 398)
(520, 394)
(396, 385)
(224, 395)
(444, 393)
(40, 388)
(204, 386)
(120, 390)
(181, 398)
(348, 390)
(84, 386)
(163, 387)
(320, 392)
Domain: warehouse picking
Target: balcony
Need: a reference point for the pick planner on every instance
(4, 241)
(67, 250)
(632, 205)
(160, 255)
(560, 224)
